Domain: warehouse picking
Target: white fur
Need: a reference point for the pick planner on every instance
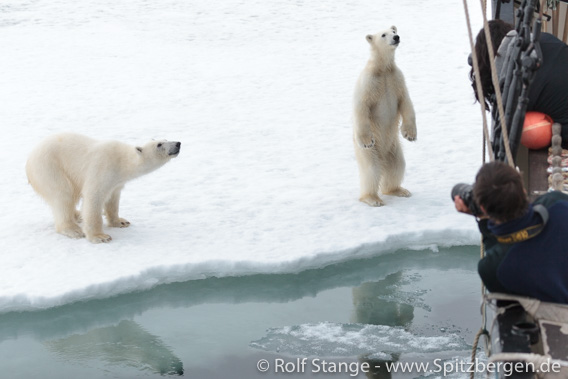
(381, 101)
(67, 167)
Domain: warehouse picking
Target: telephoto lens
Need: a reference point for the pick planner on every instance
(465, 192)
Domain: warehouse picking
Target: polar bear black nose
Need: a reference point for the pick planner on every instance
(178, 144)
(396, 37)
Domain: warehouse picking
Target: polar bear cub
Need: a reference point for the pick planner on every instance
(381, 102)
(67, 167)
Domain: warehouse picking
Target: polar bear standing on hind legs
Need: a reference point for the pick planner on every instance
(67, 167)
(381, 101)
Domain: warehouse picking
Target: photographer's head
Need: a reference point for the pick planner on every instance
(498, 29)
(499, 190)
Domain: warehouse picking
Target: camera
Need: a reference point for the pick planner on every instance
(465, 192)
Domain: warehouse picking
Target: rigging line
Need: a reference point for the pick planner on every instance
(486, 142)
(477, 78)
(486, 139)
(497, 88)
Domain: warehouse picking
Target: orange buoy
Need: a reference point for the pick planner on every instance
(537, 130)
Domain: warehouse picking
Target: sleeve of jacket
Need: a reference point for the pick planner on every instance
(489, 239)
(489, 264)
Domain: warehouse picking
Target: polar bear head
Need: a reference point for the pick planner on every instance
(155, 154)
(385, 40)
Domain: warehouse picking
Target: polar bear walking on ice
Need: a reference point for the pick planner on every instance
(67, 167)
(381, 101)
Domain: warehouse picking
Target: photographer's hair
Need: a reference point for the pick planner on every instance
(499, 190)
(498, 29)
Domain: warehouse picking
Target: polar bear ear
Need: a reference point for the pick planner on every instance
(394, 28)
(139, 149)
(369, 38)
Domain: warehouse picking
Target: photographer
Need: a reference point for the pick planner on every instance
(526, 244)
(548, 92)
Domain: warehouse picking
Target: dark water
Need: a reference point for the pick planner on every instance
(390, 308)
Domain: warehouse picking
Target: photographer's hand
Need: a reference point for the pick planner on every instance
(460, 205)
(462, 208)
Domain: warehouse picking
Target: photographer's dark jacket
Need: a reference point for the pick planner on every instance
(548, 92)
(536, 267)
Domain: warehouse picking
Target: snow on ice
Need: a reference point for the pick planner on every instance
(260, 94)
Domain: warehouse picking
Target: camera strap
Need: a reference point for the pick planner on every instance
(527, 233)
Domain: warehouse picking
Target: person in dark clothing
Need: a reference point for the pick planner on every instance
(548, 92)
(526, 244)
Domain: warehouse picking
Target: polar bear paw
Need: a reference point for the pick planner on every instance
(400, 192)
(100, 238)
(72, 231)
(365, 141)
(372, 200)
(119, 223)
(409, 132)
(370, 144)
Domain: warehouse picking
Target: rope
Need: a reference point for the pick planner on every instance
(483, 329)
(486, 137)
(497, 88)
(486, 143)
(480, 333)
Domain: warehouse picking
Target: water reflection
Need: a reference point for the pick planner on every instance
(371, 308)
(125, 344)
(276, 288)
(103, 331)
